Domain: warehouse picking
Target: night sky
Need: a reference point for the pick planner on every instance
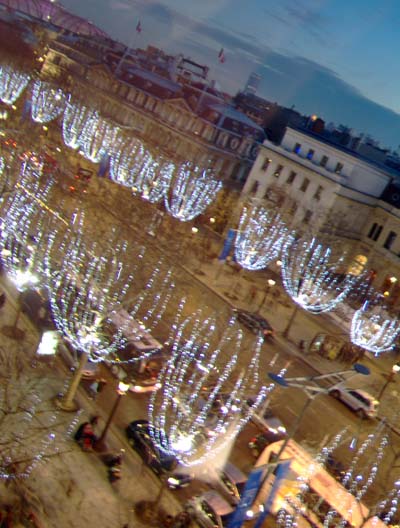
(334, 58)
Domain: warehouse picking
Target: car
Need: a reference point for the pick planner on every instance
(255, 322)
(265, 419)
(258, 443)
(209, 510)
(230, 483)
(140, 438)
(358, 400)
(145, 385)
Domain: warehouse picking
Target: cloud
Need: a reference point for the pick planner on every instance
(121, 6)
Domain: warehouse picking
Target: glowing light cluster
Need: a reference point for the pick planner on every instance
(99, 137)
(48, 101)
(191, 192)
(373, 329)
(25, 225)
(154, 178)
(126, 161)
(259, 238)
(75, 120)
(12, 84)
(200, 406)
(85, 284)
(314, 280)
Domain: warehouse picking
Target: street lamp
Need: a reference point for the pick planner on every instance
(310, 385)
(389, 378)
(100, 444)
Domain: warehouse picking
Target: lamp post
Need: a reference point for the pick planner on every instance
(100, 444)
(389, 378)
(310, 385)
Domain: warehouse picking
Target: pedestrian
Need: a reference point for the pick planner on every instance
(7, 521)
(2, 299)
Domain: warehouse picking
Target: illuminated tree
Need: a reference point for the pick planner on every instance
(12, 84)
(259, 238)
(86, 283)
(201, 405)
(48, 101)
(373, 329)
(191, 192)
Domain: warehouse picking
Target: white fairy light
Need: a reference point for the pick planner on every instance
(259, 238)
(12, 84)
(75, 120)
(84, 290)
(26, 222)
(154, 178)
(191, 192)
(99, 138)
(373, 329)
(312, 277)
(200, 406)
(48, 101)
(124, 163)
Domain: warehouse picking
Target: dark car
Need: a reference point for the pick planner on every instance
(255, 322)
(140, 438)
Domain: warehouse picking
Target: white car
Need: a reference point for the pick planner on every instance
(358, 400)
(209, 510)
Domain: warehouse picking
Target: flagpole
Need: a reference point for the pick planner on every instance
(128, 49)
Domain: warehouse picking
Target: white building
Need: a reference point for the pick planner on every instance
(325, 186)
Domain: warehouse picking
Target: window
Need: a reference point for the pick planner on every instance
(339, 168)
(304, 185)
(310, 154)
(389, 240)
(254, 187)
(297, 148)
(278, 171)
(378, 231)
(324, 161)
(307, 217)
(372, 230)
(291, 177)
(318, 192)
(265, 165)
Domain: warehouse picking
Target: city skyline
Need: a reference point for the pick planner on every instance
(327, 58)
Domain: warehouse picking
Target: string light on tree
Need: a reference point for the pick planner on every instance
(259, 238)
(312, 277)
(99, 138)
(125, 163)
(191, 192)
(25, 225)
(74, 121)
(154, 178)
(12, 84)
(373, 329)
(86, 283)
(200, 406)
(48, 101)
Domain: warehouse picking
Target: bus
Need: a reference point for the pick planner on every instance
(320, 492)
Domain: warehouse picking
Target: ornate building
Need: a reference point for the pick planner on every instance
(327, 188)
(189, 120)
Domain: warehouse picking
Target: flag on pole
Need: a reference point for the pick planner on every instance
(139, 27)
(221, 55)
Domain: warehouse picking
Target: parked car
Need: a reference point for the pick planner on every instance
(140, 438)
(265, 419)
(358, 400)
(209, 510)
(255, 322)
(231, 483)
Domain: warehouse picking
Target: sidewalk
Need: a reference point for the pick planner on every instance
(68, 487)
